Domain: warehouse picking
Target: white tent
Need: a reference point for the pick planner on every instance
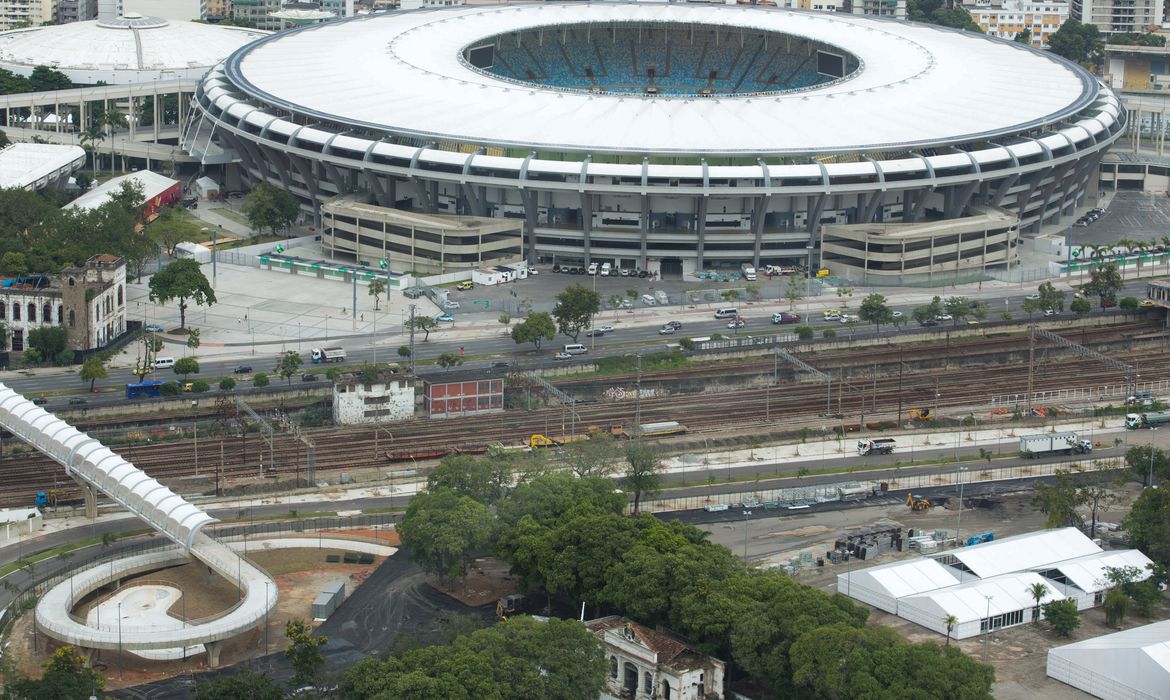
(194, 251)
(882, 586)
(1021, 553)
(1004, 600)
(1085, 577)
(206, 188)
(1129, 665)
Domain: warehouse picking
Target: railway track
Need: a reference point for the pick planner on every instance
(785, 406)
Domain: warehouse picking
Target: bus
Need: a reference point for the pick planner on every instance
(134, 391)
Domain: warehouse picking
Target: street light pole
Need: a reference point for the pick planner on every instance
(987, 637)
(1152, 431)
(959, 519)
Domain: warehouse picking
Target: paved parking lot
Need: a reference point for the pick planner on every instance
(1129, 215)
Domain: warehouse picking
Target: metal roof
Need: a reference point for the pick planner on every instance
(1088, 573)
(26, 165)
(152, 183)
(969, 601)
(403, 72)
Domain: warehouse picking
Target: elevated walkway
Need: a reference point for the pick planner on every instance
(98, 468)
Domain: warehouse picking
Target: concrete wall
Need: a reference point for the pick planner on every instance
(356, 403)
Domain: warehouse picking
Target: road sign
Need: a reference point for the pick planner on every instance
(382, 263)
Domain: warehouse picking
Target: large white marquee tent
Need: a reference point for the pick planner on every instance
(1129, 665)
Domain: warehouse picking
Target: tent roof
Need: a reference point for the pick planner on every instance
(1088, 573)
(152, 183)
(1023, 552)
(1137, 659)
(206, 182)
(969, 601)
(903, 578)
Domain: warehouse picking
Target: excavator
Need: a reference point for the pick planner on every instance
(917, 505)
(921, 414)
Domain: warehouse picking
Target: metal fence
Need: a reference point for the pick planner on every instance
(797, 496)
(24, 599)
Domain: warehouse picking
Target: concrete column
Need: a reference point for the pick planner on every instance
(213, 649)
(90, 495)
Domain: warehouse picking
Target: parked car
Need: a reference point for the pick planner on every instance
(715, 507)
(625, 272)
(1049, 312)
(592, 269)
(944, 317)
(562, 356)
(556, 268)
(40, 401)
(242, 369)
(626, 304)
(308, 377)
(153, 328)
(605, 329)
(673, 324)
(606, 269)
(465, 285)
(832, 317)
(1145, 303)
(1033, 297)
(649, 300)
(412, 292)
(450, 304)
(896, 314)
(928, 322)
(643, 273)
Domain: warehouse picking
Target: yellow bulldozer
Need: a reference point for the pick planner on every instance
(917, 505)
(921, 414)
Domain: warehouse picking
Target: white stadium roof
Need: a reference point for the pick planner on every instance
(129, 49)
(1129, 665)
(403, 73)
(1028, 551)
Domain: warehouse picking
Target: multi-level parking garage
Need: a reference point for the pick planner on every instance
(670, 136)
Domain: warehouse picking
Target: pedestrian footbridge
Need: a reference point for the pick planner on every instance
(96, 467)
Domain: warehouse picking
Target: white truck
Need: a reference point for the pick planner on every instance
(749, 272)
(878, 446)
(319, 355)
(1054, 443)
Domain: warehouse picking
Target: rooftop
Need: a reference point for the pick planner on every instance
(29, 165)
(152, 183)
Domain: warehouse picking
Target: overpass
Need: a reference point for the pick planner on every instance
(98, 468)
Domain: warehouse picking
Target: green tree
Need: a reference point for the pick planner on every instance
(92, 370)
(290, 364)
(227, 384)
(1128, 303)
(5, 141)
(89, 138)
(243, 684)
(1116, 606)
(46, 79)
(181, 280)
(535, 329)
(875, 310)
(597, 456)
(304, 651)
(447, 360)
(575, 309)
(1146, 461)
(467, 476)
(111, 119)
(376, 288)
(643, 476)
(49, 342)
(804, 332)
(13, 263)
(1104, 283)
(67, 676)
(172, 228)
(1024, 37)
(795, 290)
(1148, 525)
(269, 207)
(193, 341)
(1059, 501)
(1080, 307)
(171, 389)
(426, 324)
(950, 621)
(444, 530)
(959, 308)
(828, 334)
(1080, 43)
(186, 365)
(1050, 297)
(1063, 616)
(404, 351)
(200, 386)
(260, 380)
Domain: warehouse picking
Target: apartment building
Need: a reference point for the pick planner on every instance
(1007, 18)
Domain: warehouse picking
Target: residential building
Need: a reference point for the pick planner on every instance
(1118, 16)
(219, 9)
(648, 664)
(389, 397)
(894, 9)
(257, 13)
(1007, 18)
(17, 14)
(76, 11)
(89, 301)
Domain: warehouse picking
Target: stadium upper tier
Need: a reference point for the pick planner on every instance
(405, 74)
(650, 58)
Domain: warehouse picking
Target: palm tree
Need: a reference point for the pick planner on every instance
(1037, 591)
(951, 621)
(89, 138)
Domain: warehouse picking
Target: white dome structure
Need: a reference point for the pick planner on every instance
(129, 49)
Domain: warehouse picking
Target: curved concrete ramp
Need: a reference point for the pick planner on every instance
(93, 464)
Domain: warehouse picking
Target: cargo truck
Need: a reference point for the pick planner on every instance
(1134, 421)
(320, 355)
(1053, 443)
(880, 446)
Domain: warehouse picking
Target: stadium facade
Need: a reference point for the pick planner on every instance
(673, 137)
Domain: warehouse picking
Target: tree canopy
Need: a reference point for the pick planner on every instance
(1078, 42)
(1104, 283)
(1148, 525)
(576, 306)
(938, 12)
(67, 676)
(268, 207)
(875, 310)
(182, 280)
(535, 329)
(444, 530)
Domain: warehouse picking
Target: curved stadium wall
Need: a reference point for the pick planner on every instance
(674, 178)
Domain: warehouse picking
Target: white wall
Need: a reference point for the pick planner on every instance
(354, 403)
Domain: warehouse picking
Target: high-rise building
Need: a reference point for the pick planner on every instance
(1118, 16)
(15, 14)
(76, 11)
(1007, 18)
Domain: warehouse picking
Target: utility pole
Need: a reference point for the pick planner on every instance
(353, 308)
(412, 338)
(638, 399)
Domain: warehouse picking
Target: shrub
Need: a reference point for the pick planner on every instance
(260, 380)
(170, 389)
(828, 333)
(686, 344)
(804, 332)
(199, 386)
(227, 384)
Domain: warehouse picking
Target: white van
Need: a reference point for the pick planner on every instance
(592, 269)
(164, 362)
(606, 269)
(749, 272)
(576, 349)
(729, 312)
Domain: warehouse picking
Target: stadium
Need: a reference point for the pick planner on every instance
(670, 138)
